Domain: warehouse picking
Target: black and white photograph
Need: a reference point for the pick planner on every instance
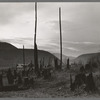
(49, 49)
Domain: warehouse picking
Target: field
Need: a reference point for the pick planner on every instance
(57, 86)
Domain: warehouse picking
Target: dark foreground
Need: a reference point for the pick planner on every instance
(57, 86)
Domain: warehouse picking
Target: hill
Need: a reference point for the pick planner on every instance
(10, 55)
(64, 57)
(86, 57)
(6, 46)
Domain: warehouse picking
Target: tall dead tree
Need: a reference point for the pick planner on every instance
(35, 45)
(60, 38)
(56, 63)
(24, 61)
(23, 56)
(68, 64)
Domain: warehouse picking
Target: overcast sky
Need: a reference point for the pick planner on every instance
(80, 26)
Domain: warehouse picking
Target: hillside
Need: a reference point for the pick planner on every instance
(6, 46)
(10, 55)
(64, 57)
(86, 57)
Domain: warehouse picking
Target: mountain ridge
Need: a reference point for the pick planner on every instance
(64, 57)
(10, 55)
(84, 58)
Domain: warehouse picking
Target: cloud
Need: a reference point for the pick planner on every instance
(81, 43)
(80, 26)
(10, 10)
(19, 42)
(73, 31)
(71, 48)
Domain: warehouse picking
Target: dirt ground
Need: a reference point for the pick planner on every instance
(57, 87)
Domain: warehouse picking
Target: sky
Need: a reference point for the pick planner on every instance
(80, 26)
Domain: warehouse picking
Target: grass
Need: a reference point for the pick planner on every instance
(57, 86)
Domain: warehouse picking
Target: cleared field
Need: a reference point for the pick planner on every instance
(57, 86)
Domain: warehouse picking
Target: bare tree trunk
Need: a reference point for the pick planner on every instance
(60, 38)
(35, 45)
(23, 55)
(70, 80)
(68, 64)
